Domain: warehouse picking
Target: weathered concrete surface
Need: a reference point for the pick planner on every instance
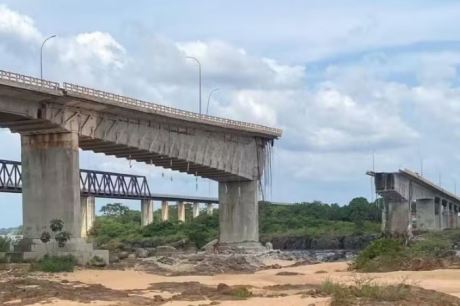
(181, 211)
(88, 214)
(146, 212)
(238, 212)
(164, 211)
(78, 247)
(196, 210)
(51, 183)
(209, 209)
(426, 219)
(396, 214)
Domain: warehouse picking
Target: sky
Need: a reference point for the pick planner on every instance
(355, 85)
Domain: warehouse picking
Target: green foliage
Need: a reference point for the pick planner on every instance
(429, 251)
(381, 255)
(55, 264)
(364, 289)
(62, 237)
(120, 224)
(115, 209)
(56, 225)
(45, 237)
(5, 244)
(319, 219)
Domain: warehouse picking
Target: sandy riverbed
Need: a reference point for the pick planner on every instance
(135, 284)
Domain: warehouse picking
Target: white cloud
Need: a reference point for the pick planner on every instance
(16, 25)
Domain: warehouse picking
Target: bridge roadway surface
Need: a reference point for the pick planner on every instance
(100, 184)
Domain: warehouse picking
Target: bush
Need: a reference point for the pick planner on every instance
(381, 255)
(5, 244)
(55, 264)
(364, 289)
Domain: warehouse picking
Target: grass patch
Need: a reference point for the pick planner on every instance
(364, 290)
(55, 264)
(241, 293)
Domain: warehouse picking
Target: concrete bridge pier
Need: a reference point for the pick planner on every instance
(88, 214)
(209, 209)
(426, 219)
(444, 215)
(196, 210)
(146, 212)
(396, 216)
(164, 211)
(51, 183)
(238, 214)
(181, 211)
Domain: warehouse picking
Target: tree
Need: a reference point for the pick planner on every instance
(115, 209)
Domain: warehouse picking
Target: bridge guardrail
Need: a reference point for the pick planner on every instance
(28, 80)
(39, 83)
(166, 109)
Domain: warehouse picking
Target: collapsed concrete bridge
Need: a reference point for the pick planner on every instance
(54, 122)
(413, 202)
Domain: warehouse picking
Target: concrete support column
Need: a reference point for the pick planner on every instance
(444, 217)
(146, 212)
(50, 183)
(196, 210)
(458, 217)
(209, 209)
(88, 214)
(181, 211)
(396, 217)
(426, 219)
(451, 216)
(238, 212)
(164, 211)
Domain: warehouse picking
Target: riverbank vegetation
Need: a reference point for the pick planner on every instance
(426, 251)
(119, 225)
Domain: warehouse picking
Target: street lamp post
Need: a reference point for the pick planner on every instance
(199, 78)
(209, 99)
(41, 55)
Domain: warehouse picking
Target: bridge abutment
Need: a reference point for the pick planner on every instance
(196, 210)
(51, 183)
(238, 213)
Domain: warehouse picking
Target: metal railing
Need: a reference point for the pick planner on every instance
(28, 80)
(158, 108)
